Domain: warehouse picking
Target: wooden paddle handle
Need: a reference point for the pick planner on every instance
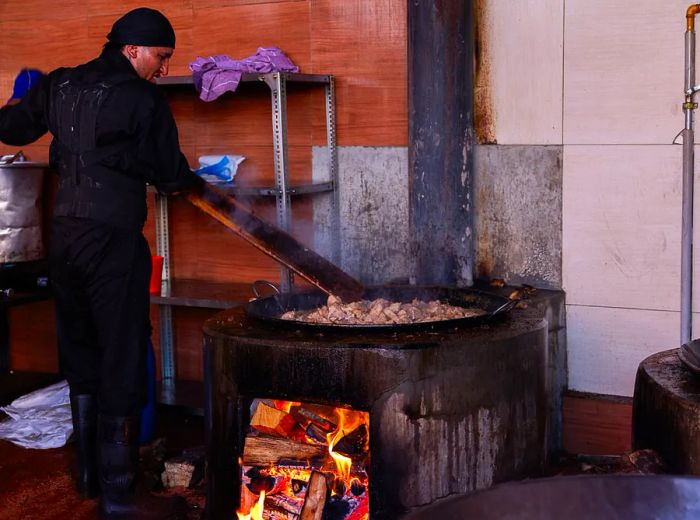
(275, 243)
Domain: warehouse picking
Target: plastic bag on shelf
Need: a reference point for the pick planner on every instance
(40, 419)
(218, 168)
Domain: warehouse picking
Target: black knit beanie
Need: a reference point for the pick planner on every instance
(143, 26)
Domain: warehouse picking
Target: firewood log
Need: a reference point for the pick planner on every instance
(270, 420)
(357, 488)
(317, 434)
(265, 451)
(299, 485)
(354, 443)
(315, 497)
(185, 470)
(285, 503)
(305, 416)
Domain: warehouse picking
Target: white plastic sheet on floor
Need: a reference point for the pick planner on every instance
(41, 419)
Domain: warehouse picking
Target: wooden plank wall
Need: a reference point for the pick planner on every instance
(361, 42)
(595, 424)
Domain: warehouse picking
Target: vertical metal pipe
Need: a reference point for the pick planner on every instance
(441, 140)
(688, 181)
(687, 237)
(689, 76)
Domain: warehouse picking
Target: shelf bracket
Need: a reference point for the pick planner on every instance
(167, 347)
(278, 89)
(333, 170)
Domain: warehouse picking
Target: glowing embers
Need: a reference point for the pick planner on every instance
(305, 461)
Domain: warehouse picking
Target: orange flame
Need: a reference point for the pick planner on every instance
(256, 511)
(348, 420)
(286, 406)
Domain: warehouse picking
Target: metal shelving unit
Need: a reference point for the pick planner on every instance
(193, 293)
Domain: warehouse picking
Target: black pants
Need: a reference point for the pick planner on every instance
(100, 275)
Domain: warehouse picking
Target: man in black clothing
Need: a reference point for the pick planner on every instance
(113, 132)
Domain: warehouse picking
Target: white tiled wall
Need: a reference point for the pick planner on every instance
(623, 71)
(524, 45)
(620, 89)
(621, 226)
(606, 345)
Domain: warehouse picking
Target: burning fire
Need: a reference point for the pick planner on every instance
(300, 434)
(256, 512)
(353, 420)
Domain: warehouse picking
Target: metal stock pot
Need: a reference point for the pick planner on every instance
(21, 215)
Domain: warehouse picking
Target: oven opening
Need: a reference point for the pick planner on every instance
(305, 460)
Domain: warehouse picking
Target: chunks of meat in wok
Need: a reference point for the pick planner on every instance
(381, 312)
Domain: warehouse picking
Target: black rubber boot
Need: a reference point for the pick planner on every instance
(84, 409)
(119, 455)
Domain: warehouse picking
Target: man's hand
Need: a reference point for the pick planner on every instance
(25, 80)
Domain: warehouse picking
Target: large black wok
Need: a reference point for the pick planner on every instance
(270, 308)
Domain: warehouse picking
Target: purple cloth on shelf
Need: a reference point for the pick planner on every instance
(215, 75)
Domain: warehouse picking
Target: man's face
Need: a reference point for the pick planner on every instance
(149, 62)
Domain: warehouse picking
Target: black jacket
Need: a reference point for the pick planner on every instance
(134, 120)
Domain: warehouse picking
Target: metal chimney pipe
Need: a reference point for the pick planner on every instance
(688, 179)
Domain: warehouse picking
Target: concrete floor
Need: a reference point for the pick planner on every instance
(38, 485)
